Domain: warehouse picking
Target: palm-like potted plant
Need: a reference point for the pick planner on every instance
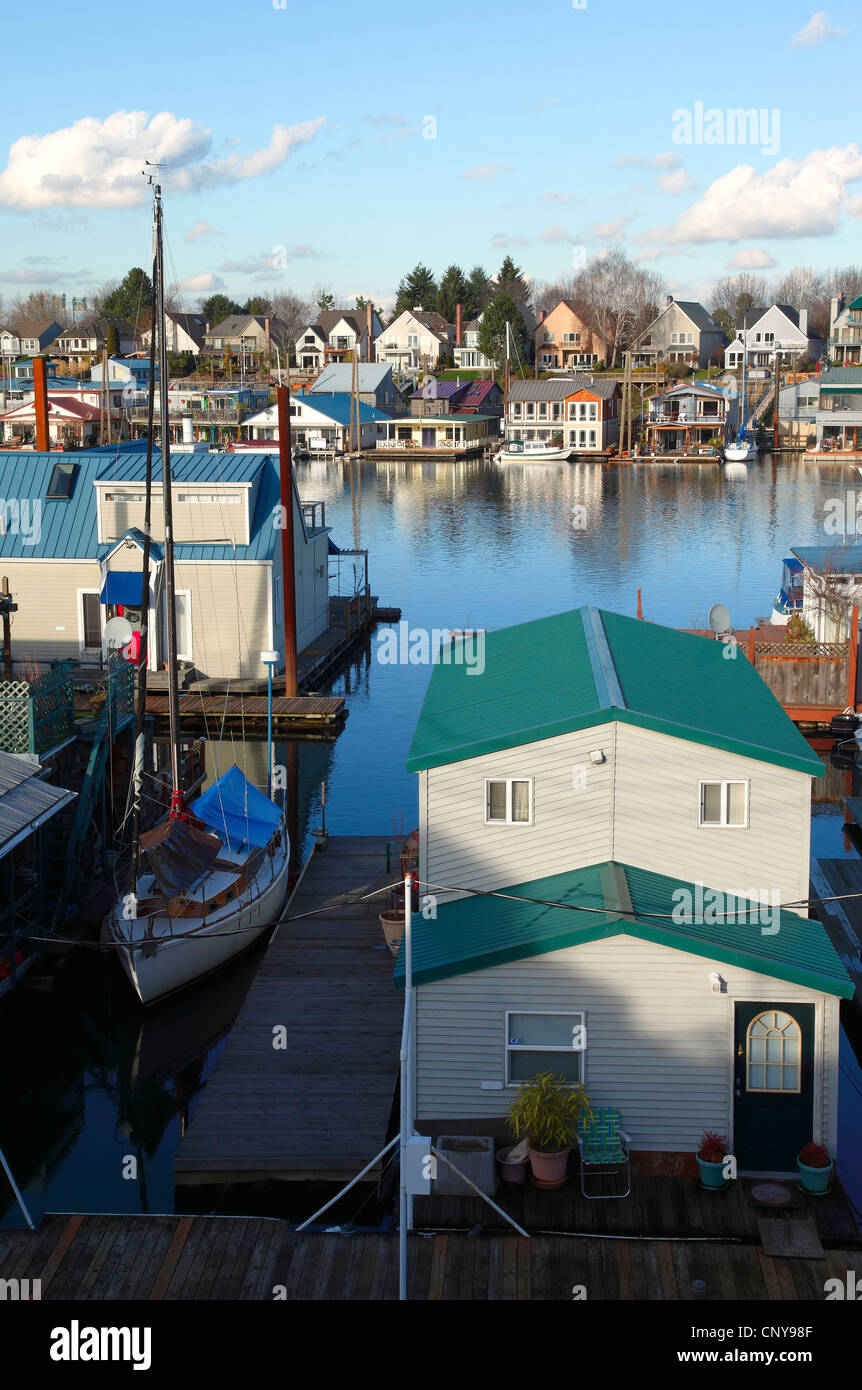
(815, 1169)
(547, 1112)
(710, 1160)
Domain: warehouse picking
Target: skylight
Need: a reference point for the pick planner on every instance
(61, 482)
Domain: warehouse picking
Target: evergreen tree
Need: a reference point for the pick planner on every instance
(479, 292)
(511, 282)
(492, 330)
(325, 301)
(454, 290)
(130, 298)
(256, 304)
(418, 290)
(217, 307)
(112, 341)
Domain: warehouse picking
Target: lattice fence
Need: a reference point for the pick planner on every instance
(37, 714)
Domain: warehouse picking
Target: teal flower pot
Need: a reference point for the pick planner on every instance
(711, 1175)
(815, 1181)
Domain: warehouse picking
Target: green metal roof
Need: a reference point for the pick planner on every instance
(610, 899)
(587, 667)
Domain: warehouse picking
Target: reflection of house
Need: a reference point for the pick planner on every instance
(333, 337)
(376, 386)
(845, 331)
(688, 417)
(693, 1012)
(580, 412)
(683, 332)
(831, 584)
(82, 562)
(417, 338)
(322, 422)
(763, 330)
(562, 339)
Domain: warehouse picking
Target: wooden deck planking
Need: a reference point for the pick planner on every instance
(105, 1258)
(320, 1107)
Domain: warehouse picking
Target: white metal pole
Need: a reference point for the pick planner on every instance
(406, 1117)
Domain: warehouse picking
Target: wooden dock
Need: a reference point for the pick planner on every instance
(319, 716)
(320, 1106)
(203, 1258)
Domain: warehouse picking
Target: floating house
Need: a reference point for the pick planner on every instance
(687, 418)
(831, 583)
(580, 412)
(623, 825)
(320, 421)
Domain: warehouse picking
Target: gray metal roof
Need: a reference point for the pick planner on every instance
(25, 801)
(558, 387)
(338, 376)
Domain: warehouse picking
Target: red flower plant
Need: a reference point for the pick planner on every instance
(713, 1147)
(815, 1156)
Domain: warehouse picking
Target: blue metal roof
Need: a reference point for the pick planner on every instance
(336, 404)
(199, 467)
(836, 559)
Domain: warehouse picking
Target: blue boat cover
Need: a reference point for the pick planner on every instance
(238, 813)
(123, 586)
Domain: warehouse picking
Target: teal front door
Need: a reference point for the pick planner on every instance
(773, 1112)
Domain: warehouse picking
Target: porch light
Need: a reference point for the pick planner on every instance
(597, 756)
(717, 984)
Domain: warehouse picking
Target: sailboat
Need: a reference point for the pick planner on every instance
(527, 450)
(741, 449)
(211, 877)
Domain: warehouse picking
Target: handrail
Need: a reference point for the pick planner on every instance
(12, 1183)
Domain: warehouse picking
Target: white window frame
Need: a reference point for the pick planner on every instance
(724, 783)
(79, 600)
(508, 1048)
(186, 656)
(508, 781)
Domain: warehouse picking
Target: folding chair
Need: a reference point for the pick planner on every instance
(602, 1143)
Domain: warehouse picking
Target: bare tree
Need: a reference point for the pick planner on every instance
(733, 295)
(290, 314)
(35, 308)
(615, 298)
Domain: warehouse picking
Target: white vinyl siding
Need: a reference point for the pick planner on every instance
(667, 1086)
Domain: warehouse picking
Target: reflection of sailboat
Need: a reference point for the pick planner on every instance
(209, 879)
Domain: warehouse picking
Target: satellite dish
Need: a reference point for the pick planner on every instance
(118, 632)
(718, 618)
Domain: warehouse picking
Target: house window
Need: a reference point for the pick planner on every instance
(516, 410)
(183, 607)
(592, 434)
(530, 410)
(723, 803)
(537, 1042)
(543, 410)
(508, 802)
(91, 621)
(772, 1053)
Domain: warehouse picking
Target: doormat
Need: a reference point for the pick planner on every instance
(771, 1195)
(793, 1238)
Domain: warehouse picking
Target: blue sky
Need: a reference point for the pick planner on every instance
(301, 134)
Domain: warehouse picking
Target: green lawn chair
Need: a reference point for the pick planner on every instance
(602, 1144)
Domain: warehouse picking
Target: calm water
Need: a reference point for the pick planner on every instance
(86, 1083)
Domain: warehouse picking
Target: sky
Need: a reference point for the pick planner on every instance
(336, 145)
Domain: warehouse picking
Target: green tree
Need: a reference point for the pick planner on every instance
(256, 304)
(130, 298)
(492, 330)
(112, 341)
(480, 291)
(217, 307)
(511, 282)
(454, 290)
(418, 290)
(325, 301)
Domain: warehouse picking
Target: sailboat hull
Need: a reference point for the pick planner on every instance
(743, 451)
(175, 955)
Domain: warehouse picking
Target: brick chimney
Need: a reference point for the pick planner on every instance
(40, 402)
(543, 316)
(369, 329)
(458, 324)
(266, 328)
(669, 299)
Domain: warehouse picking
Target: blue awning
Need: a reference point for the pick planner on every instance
(238, 813)
(123, 586)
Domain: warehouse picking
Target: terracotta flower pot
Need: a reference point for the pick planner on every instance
(549, 1170)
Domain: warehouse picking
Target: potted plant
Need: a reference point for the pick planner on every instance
(547, 1112)
(815, 1169)
(513, 1163)
(710, 1160)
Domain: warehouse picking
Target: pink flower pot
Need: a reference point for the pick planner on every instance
(549, 1170)
(512, 1173)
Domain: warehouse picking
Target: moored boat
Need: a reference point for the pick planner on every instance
(789, 598)
(531, 451)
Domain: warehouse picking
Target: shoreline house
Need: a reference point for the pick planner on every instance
(831, 584)
(845, 331)
(33, 338)
(472, 397)
(462, 432)
(249, 340)
(643, 796)
(416, 338)
(765, 329)
(183, 332)
(84, 341)
(562, 340)
(73, 423)
(211, 415)
(684, 331)
(77, 561)
(582, 412)
(334, 336)
(685, 419)
(838, 418)
(376, 385)
(320, 422)
(467, 355)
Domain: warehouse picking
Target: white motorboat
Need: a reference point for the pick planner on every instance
(531, 451)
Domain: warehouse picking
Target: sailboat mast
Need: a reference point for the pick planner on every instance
(177, 801)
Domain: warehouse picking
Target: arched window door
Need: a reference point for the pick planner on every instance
(773, 1053)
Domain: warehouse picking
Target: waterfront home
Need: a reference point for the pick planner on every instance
(335, 335)
(183, 332)
(10, 342)
(87, 340)
(832, 576)
(845, 331)
(644, 794)
(249, 339)
(456, 397)
(684, 331)
(72, 423)
(761, 331)
(320, 422)
(563, 340)
(203, 413)
(457, 433)
(35, 337)
(838, 420)
(582, 413)
(376, 384)
(131, 371)
(467, 355)
(797, 412)
(416, 338)
(73, 556)
(687, 418)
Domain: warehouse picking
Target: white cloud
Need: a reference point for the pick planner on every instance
(43, 270)
(482, 172)
(755, 258)
(555, 233)
(552, 197)
(816, 30)
(202, 283)
(611, 231)
(636, 160)
(98, 163)
(200, 229)
(801, 197)
(503, 239)
(680, 181)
